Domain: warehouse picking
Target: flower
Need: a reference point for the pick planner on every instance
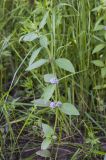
(54, 81)
(105, 28)
(58, 104)
(55, 104)
(52, 104)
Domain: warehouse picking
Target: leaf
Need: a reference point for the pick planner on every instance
(43, 41)
(29, 37)
(100, 87)
(105, 157)
(73, 10)
(69, 109)
(98, 27)
(43, 153)
(48, 77)
(48, 131)
(6, 42)
(103, 72)
(44, 21)
(45, 144)
(41, 102)
(34, 55)
(37, 64)
(98, 63)
(65, 64)
(48, 92)
(98, 48)
(98, 23)
(97, 8)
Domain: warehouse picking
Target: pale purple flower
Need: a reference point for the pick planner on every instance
(52, 104)
(54, 81)
(59, 104)
(105, 28)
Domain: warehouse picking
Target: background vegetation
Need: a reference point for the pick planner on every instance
(68, 40)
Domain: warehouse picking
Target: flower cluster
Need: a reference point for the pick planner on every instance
(55, 104)
(105, 28)
(54, 81)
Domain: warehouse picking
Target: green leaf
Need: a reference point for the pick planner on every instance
(98, 63)
(98, 23)
(48, 92)
(44, 21)
(48, 77)
(97, 8)
(37, 64)
(65, 64)
(98, 48)
(6, 42)
(34, 55)
(72, 9)
(103, 72)
(45, 144)
(69, 109)
(41, 102)
(98, 27)
(29, 37)
(48, 131)
(105, 157)
(100, 87)
(43, 153)
(43, 41)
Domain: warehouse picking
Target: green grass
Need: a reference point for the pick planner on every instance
(71, 29)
